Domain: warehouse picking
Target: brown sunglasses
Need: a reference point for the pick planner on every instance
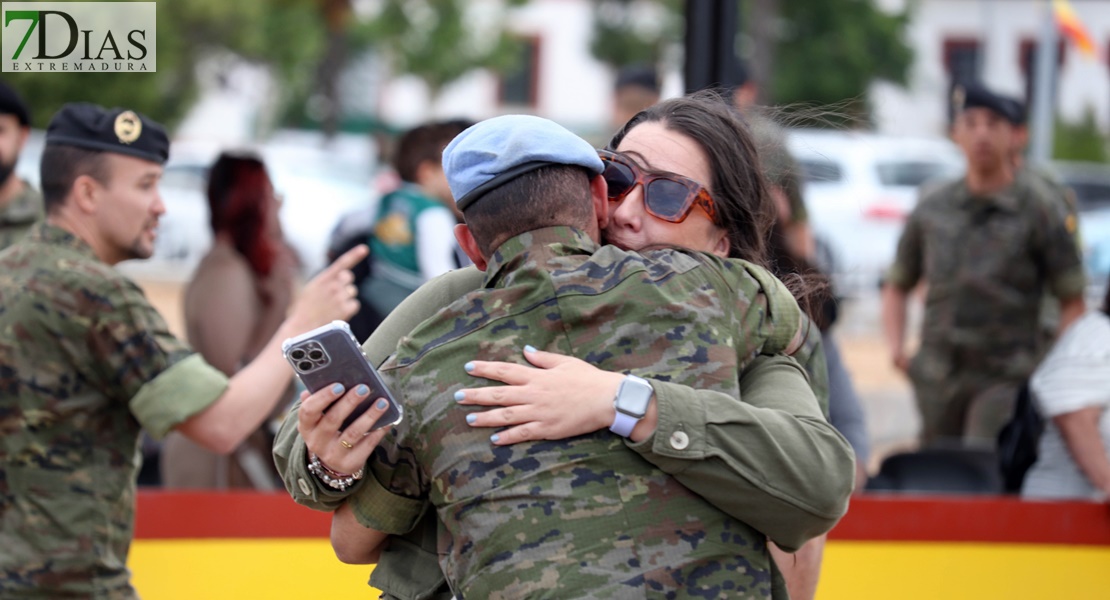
(667, 196)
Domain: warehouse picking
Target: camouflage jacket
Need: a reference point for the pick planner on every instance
(408, 568)
(85, 362)
(18, 215)
(671, 316)
(988, 261)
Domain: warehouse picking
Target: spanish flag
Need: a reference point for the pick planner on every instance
(1072, 28)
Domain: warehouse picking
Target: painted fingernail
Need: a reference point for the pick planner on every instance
(337, 389)
(362, 390)
(471, 418)
(493, 438)
(459, 396)
(529, 348)
(382, 404)
(468, 367)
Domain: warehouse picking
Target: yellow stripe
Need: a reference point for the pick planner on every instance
(301, 569)
(306, 569)
(953, 571)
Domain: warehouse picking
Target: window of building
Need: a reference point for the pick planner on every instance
(962, 59)
(520, 85)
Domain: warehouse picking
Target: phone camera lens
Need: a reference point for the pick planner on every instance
(316, 354)
(297, 354)
(304, 366)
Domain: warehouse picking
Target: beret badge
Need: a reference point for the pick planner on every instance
(128, 127)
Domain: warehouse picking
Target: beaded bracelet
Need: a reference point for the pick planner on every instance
(333, 479)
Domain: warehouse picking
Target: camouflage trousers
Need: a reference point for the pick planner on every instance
(961, 402)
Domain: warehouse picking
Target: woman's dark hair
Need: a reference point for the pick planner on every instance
(738, 188)
(1106, 300)
(239, 197)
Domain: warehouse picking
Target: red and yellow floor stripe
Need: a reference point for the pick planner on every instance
(252, 545)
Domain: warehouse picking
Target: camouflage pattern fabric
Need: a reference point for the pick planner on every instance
(987, 262)
(85, 362)
(524, 519)
(18, 215)
(408, 567)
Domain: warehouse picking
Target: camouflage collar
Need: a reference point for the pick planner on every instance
(549, 241)
(1006, 199)
(53, 235)
(25, 208)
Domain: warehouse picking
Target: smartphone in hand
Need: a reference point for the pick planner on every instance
(330, 354)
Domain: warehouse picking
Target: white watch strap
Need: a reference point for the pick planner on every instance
(623, 424)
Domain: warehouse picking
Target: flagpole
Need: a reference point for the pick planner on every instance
(1042, 111)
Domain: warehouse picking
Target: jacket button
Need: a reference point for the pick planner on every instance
(305, 489)
(679, 440)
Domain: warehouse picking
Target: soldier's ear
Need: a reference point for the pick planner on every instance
(470, 246)
(599, 194)
(86, 193)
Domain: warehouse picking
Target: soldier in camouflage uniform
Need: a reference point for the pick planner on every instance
(987, 246)
(607, 300)
(20, 203)
(86, 362)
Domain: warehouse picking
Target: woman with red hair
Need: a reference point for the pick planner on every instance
(235, 302)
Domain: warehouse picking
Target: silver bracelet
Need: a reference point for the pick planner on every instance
(333, 479)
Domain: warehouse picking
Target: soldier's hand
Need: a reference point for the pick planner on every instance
(343, 451)
(330, 295)
(563, 398)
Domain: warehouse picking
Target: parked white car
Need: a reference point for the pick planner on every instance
(859, 189)
(318, 184)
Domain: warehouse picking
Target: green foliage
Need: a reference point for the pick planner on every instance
(286, 34)
(434, 40)
(626, 33)
(1082, 140)
(831, 50)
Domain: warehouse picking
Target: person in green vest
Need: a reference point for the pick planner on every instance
(413, 239)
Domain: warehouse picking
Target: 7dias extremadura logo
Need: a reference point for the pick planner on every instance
(78, 37)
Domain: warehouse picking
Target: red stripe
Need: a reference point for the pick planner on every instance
(172, 515)
(970, 519)
(175, 515)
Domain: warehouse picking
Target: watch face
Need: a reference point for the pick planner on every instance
(633, 396)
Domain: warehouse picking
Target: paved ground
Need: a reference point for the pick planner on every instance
(886, 396)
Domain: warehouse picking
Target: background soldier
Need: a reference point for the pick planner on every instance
(20, 203)
(987, 246)
(86, 362)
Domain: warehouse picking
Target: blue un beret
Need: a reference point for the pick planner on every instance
(976, 95)
(497, 150)
(109, 130)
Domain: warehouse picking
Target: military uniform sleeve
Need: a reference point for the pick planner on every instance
(1058, 253)
(909, 259)
(290, 453)
(163, 381)
(770, 459)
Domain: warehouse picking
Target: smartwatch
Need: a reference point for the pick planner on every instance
(633, 397)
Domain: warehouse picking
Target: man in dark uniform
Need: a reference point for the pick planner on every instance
(86, 362)
(988, 246)
(20, 203)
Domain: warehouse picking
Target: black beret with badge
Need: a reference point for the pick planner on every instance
(976, 95)
(12, 104)
(116, 130)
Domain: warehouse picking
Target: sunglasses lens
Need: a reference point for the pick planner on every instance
(619, 178)
(667, 199)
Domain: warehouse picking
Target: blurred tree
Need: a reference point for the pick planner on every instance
(628, 32)
(1082, 140)
(281, 33)
(814, 52)
(829, 51)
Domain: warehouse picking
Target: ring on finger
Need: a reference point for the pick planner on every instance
(346, 444)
